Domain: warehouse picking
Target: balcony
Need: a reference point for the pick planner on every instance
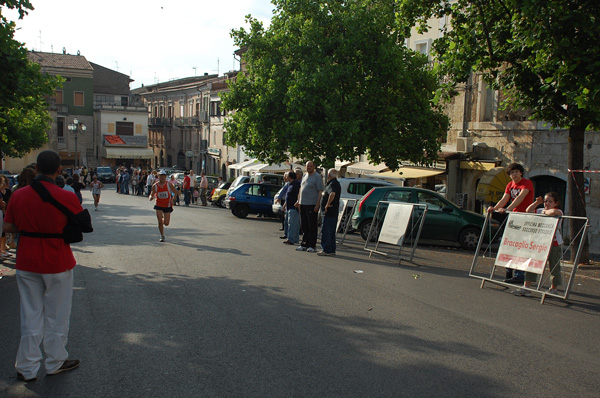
(114, 107)
(61, 109)
(187, 122)
(160, 122)
(202, 117)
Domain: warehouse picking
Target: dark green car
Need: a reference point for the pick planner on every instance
(445, 221)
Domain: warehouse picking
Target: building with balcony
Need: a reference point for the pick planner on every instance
(120, 124)
(116, 131)
(185, 123)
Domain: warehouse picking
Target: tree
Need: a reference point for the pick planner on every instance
(543, 54)
(331, 80)
(24, 117)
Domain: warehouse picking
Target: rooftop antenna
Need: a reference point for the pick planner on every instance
(194, 68)
(117, 64)
(41, 42)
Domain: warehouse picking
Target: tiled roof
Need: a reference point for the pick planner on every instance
(65, 61)
(108, 81)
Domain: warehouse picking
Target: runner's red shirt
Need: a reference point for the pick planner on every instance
(29, 213)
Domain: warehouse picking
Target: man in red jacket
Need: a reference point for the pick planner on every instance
(44, 272)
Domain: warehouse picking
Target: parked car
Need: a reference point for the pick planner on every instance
(251, 198)
(220, 192)
(356, 188)
(444, 220)
(237, 182)
(105, 174)
(269, 178)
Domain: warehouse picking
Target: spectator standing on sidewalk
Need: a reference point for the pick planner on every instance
(281, 199)
(519, 192)
(44, 272)
(330, 208)
(308, 202)
(203, 188)
(193, 186)
(292, 217)
(150, 181)
(186, 189)
(551, 208)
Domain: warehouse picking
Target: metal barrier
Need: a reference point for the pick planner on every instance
(379, 218)
(580, 237)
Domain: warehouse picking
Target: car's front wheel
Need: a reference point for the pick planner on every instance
(241, 211)
(221, 201)
(469, 238)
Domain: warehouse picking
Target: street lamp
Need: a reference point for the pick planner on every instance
(76, 128)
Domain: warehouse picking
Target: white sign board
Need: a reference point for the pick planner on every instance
(526, 242)
(343, 204)
(396, 221)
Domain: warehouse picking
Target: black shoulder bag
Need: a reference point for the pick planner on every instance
(77, 223)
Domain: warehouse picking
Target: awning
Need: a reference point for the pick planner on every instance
(492, 185)
(475, 165)
(407, 172)
(127, 153)
(366, 168)
(273, 168)
(240, 165)
(342, 163)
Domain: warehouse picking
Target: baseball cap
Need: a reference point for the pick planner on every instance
(162, 172)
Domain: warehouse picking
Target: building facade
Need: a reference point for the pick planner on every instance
(484, 138)
(99, 99)
(185, 124)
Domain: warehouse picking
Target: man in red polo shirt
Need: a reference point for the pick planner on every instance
(44, 272)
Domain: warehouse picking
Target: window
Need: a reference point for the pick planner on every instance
(432, 202)
(397, 196)
(259, 190)
(423, 46)
(78, 98)
(60, 129)
(124, 101)
(58, 97)
(361, 188)
(124, 128)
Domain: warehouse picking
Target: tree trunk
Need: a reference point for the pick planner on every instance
(575, 191)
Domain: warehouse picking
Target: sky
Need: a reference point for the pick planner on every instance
(151, 41)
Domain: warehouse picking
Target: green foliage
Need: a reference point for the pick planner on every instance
(331, 79)
(543, 54)
(24, 117)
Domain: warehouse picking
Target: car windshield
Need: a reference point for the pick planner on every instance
(104, 170)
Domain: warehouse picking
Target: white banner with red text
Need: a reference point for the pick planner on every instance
(526, 242)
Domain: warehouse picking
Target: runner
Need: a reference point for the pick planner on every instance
(163, 190)
(96, 186)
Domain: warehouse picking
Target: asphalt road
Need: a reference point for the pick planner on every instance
(223, 309)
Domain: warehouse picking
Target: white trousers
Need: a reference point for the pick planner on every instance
(45, 312)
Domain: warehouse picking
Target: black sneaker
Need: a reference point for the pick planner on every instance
(69, 364)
